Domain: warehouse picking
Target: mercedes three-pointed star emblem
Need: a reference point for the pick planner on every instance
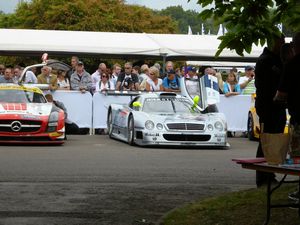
(16, 126)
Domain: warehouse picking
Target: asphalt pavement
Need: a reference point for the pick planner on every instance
(96, 180)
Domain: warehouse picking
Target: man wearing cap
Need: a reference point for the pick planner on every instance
(190, 83)
(80, 79)
(192, 72)
(171, 82)
(247, 82)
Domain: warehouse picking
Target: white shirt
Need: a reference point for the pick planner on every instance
(114, 78)
(192, 87)
(243, 79)
(96, 77)
(64, 83)
(101, 86)
(30, 78)
(142, 77)
(153, 86)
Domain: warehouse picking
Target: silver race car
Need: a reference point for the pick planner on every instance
(166, 119)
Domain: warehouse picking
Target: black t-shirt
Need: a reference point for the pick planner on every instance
(290, 84)
(268, 71)
(127, 80)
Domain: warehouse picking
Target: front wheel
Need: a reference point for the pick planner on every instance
(130, 131)
(109, 123)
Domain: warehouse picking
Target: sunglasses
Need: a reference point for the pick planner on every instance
(104, 76)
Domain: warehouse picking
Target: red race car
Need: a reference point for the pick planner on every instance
(27, 117)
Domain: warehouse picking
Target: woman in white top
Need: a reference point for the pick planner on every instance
(105, 83)
(154, 83)
(62, 81)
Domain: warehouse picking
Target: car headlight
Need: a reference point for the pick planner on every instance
(210, 127)
(149, 125)
(159, 126)
(219, 126)
(53, 121)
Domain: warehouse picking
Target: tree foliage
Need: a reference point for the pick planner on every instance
(251, 21)
(87, 15)
(188, 18)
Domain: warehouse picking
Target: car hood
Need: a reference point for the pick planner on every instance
(176, 117)
(36, 109)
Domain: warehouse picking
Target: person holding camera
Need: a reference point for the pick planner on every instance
(127, 81)
(247, 82)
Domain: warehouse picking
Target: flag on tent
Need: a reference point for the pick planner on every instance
(280, 27)
(225, 30)
(220, 31)
(190, 30)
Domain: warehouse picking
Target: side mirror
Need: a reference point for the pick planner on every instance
(136, 105)
(196, 101)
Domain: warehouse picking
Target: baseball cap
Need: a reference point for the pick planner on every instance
(80, 63)
(191, 68)
(249, 68)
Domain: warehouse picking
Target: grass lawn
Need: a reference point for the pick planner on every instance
(239, 208)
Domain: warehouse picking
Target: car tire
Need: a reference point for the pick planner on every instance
(109, 123)
(250, 128)
(130, 131)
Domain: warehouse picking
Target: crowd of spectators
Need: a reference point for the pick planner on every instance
(129, 78)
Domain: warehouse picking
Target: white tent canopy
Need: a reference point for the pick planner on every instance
(221, 63)
(104, 43)
(119, 45)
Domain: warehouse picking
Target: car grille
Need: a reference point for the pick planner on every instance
(186, 137)
(185, 126)
(26, 126)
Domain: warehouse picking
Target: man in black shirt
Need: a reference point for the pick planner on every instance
(291, 79)
(127, 81)
(268, 71)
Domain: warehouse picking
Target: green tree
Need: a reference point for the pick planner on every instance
(84, 15)
(188, 18)
(87, 15)
(249, 22)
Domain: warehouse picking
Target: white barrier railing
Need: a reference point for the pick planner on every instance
(79, 106)
(235, 109)
(91, 111)
(100, 106)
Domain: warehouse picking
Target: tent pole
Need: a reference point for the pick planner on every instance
(164, 63)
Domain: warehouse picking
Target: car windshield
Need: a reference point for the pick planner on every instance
(21, 96)
(168, 105)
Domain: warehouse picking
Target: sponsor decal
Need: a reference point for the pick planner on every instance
(151, 134)
(220, 135)
(14, 106)
(30, 89)
(26, 116)
(191, 117)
